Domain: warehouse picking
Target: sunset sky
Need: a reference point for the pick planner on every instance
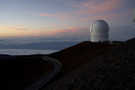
(64, 19)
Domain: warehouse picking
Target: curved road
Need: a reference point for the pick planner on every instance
(45, 79)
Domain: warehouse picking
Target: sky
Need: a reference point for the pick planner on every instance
(64, 19)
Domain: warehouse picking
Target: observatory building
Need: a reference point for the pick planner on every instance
(99, 31)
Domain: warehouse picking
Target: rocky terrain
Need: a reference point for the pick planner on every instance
(97, 66)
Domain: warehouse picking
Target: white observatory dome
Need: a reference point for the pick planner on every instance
(99, 31)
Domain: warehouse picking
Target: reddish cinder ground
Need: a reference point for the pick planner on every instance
(80, 54)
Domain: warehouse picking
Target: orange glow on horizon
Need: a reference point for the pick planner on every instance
(6, 31)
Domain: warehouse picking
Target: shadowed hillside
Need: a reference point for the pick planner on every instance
(18, 72)
(80, 54)
(101, 66)
(85, 66)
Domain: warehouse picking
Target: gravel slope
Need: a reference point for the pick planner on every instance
(110, 70)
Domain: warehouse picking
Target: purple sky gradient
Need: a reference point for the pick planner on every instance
(65, 19)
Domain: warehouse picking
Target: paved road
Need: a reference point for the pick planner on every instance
(45, 79)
